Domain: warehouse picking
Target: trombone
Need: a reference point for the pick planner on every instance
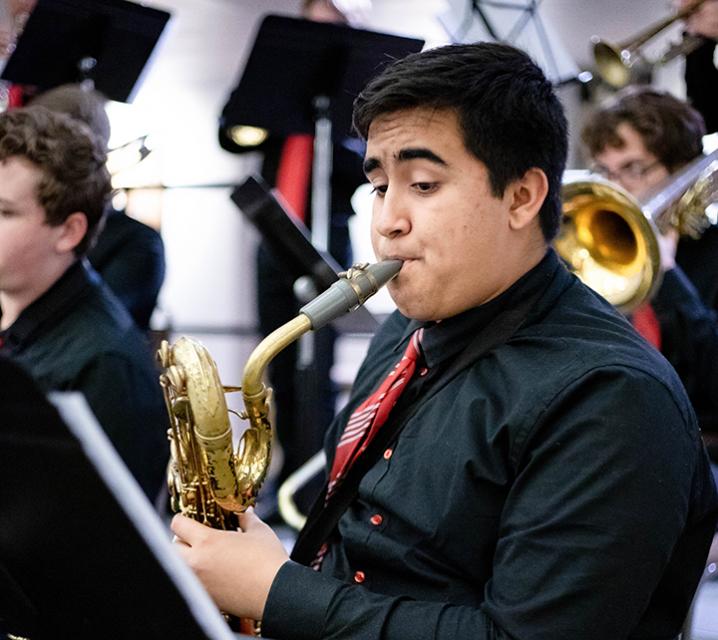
(615, 62)
(609, 239)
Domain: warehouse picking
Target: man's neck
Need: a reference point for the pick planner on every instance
(14, 302)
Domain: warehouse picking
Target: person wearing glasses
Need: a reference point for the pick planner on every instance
(638, 139)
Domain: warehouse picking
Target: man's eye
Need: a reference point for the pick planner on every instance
(379, 189)
(425, 187)
(633, 169)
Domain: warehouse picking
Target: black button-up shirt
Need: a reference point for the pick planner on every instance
(554, 488)
(686, 306)
(78, 337)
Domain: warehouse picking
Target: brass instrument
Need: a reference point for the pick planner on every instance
(207, 480)
(614, 62)
(609, 238)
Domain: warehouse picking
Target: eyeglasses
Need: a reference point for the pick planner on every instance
(630, 172)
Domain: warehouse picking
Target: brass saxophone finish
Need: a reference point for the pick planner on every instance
(208, 481)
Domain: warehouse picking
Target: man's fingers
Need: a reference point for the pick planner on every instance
(186, 529)
(249, 520)
(184, 550)
(179, 541)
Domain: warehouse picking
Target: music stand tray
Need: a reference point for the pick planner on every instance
(293, 61)
(82, 552)
(106, 41)
(289, 241)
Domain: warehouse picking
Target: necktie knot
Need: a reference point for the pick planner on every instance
(413, 349)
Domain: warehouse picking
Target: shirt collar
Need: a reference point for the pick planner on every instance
(443, 340)
(51, 305)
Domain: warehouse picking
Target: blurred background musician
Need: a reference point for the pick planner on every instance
(58, 320)
(287, 166)
(128, 254)
(638, 138)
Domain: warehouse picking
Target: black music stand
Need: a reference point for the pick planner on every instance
(82, 553)
(302, 77)
(106, 42)
(290, 243)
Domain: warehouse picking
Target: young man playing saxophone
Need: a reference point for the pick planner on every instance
(541, 475)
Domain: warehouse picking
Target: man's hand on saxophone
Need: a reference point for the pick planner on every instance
(236, 567)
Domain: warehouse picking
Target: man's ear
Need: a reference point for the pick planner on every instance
(527, 196)
(71, 232)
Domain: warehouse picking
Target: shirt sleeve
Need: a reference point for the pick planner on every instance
(127, 402)
(133, 267)
(603, 488)
(689, 340)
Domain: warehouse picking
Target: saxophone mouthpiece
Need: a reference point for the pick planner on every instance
(349, 292)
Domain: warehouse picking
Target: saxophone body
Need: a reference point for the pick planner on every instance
(207, 479)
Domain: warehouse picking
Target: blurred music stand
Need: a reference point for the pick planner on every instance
(105, 42)
(302, 77)
(82, 553)
(289, 241)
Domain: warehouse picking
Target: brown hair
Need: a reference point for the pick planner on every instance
(85, 105)
(670, 128)
(72, 161)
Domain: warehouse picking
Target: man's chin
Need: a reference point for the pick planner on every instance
(413, 310)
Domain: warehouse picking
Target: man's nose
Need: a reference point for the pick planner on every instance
(391, 214)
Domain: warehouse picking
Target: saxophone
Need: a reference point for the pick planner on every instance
(208, 481)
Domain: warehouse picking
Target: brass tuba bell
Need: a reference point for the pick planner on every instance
(608, 238)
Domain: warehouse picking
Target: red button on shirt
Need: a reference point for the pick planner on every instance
(376, 519)
(359, 577)
(387, 454)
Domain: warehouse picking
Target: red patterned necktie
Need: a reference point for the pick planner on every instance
(366, 420)
(371, 414)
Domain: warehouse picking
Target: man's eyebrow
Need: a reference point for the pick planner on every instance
(370, 164)
(410, 153)
(421, 153)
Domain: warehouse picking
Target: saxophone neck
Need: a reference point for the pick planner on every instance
(345, 295)
(349, 292)
(266, 351)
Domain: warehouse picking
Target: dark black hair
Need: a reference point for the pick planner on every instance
(509, 114)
